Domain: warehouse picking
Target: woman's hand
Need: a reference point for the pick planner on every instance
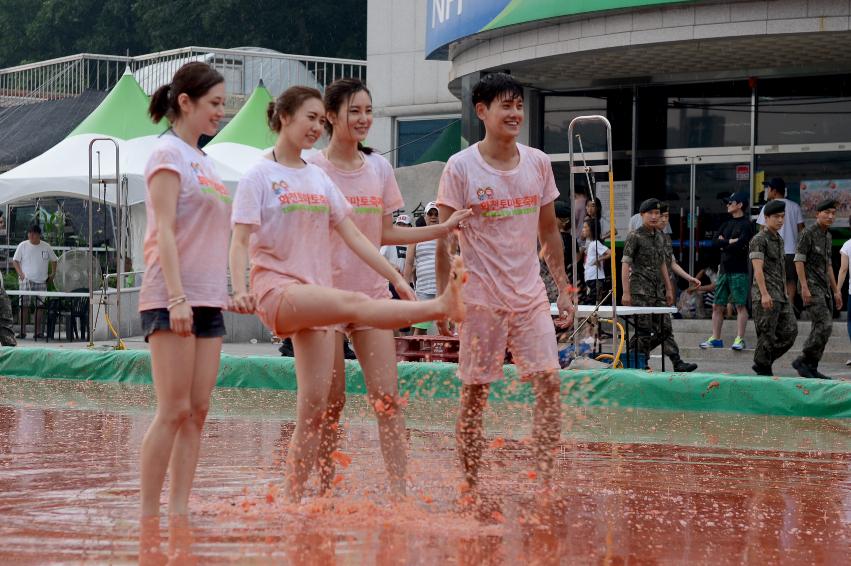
(404, 290)
(457, 217)
(180, 319)
(242, 303)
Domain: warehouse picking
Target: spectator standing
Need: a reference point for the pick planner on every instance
(818, 287)
(793, 224)
(419, 267)
(844, 257)
(35, 262)
(596, 255)
(732, 285)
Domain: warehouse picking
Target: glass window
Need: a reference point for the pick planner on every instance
(560, 110)
(419, 141)
(688, 116)
(827, 173)
(804, 110)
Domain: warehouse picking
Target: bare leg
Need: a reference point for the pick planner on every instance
(311, 306)
(330, 423)
(546, 427)
(313, 373)
(717, 320)
(741, 320)
(376, 352)
(172, 365)
(469, 430)
(184, 453)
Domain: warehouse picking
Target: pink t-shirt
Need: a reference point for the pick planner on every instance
(200, 229)
(373, 193)
(293, 212)
(499, 244)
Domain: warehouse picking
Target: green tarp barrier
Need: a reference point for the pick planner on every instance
(613, 388)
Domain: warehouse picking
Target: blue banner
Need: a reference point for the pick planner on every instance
(449, 20)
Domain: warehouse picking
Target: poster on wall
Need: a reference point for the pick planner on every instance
(813, 192)
(623, 205)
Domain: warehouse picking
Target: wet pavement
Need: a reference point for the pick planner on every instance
(633, 487)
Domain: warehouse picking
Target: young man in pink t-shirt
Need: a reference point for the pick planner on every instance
(511, 189)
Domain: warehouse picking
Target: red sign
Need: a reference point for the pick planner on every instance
(743, 172)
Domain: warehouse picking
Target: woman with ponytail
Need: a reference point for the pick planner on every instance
(284, 214)
(367, 181)
(185, 284)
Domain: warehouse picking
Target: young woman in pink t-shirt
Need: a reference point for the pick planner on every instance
(367, 181)
(284, 213)
(185, 284)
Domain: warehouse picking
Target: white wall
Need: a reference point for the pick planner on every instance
(402, 82)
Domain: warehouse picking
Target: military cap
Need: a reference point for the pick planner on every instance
(775, 206)
(826, 204)
(650, 204)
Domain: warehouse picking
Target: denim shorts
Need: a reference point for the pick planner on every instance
(207, 322)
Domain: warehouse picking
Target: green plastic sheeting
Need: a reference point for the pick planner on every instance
(123, 113)
(612, 388)
(250, 125)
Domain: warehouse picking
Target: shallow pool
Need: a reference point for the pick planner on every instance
(634, 486)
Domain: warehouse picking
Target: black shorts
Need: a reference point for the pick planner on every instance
(207, 322)
(791, 274)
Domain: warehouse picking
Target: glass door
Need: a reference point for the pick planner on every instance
(694, 188)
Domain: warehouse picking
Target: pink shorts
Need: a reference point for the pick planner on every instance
(486, 333)
(268, 306)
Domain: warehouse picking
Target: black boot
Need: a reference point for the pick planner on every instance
(760, 369)
(286, 348)
(817, 374)
(681, 366)
(803, 368)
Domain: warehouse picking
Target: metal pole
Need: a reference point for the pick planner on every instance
(608, 168)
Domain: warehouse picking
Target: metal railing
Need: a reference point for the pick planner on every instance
(242, 68)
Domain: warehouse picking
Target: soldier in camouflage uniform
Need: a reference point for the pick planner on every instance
(818, 287)
(646, 283)
(776, 326)
(7, 331)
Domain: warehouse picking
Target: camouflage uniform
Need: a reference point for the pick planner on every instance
(644, 251)
(814, 247)
(7, 331)
(777, 328)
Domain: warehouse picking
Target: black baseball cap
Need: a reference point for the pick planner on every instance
(776, 183)
(741, 197)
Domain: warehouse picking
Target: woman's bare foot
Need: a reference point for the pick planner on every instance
(453, 305)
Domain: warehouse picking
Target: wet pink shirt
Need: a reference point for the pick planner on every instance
(373, 193)
(293, 212)
(200, 229)
(499, 244)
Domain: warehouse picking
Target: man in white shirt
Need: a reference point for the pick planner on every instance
(35, 262)
(792, 227)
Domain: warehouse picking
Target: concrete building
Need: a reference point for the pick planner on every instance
(705, 97)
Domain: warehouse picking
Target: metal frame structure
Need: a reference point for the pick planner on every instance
(116, 181)
(586, 169)
(69, 76)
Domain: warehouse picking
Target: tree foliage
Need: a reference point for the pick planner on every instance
(35, 30)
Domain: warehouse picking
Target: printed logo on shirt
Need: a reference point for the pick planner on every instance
(484, 193)
(293, 201)
(209, 186)
(495, 208)
(366, 205)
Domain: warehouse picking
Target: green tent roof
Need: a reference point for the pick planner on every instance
(123, 113)
(250, 126)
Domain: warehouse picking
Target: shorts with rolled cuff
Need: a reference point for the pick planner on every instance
(207, 322)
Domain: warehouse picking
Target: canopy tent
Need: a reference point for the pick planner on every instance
(247, 136)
